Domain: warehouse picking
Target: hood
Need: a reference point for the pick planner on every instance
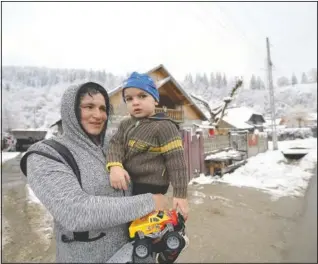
(70, 113)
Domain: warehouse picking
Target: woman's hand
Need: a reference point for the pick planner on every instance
(161, 202)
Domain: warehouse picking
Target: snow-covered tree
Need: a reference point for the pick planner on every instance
(282, 81)
(253, 84)
(188, 81)
(304, 78)
(212, 80)
(313, 75)
(260, 84)
(205, 80)
(218, 83)
(294, 79)
(224, 81)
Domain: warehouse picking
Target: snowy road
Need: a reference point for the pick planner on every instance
(11, 173)
(226, 223)
(303, 248)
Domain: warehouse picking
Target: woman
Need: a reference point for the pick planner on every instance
(90, 221)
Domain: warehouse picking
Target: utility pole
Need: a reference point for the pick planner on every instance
(271, 95)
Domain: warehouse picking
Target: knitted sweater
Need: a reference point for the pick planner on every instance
(151, 151)
(95, 208)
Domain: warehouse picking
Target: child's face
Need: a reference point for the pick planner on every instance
(139, 103)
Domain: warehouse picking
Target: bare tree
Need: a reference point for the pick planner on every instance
(221, 108)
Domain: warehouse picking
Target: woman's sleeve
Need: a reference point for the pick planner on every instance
(56, 186)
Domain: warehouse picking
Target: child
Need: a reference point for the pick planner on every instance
(147, 148)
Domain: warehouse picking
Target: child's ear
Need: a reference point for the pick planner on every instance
(156, 103)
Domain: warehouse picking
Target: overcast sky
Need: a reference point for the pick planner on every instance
(185, 37)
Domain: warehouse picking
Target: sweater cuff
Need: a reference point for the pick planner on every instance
(180, 192)
(111, 164)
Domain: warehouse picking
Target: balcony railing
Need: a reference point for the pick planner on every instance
(176, 115)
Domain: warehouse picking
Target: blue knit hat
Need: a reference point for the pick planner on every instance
(142, 81)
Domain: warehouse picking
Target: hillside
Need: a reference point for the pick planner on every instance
(31, 96)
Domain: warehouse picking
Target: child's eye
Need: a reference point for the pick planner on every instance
(128, 99)
(142, 96)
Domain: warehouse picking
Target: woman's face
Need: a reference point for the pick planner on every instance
(93, 113)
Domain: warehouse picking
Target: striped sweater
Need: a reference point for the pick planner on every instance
(151, 151)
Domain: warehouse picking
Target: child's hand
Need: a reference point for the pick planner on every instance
(182, 204)
(119, 178)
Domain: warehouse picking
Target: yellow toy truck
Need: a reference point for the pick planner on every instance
(156, 232)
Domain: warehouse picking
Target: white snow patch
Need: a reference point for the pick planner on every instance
(202, 179)
(295, 151)
(271, 172)
(198, 194)
(224, 155)
(5, 156)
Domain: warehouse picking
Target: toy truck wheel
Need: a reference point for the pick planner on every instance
(174, 240)
(142, 248)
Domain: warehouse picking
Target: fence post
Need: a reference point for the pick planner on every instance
(247, 146)
(189, 139)
(186, 149)
(201, 153)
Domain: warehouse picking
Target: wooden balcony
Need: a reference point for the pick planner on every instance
(175, 115)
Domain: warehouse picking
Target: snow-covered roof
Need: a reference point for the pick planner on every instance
(268, 122)
(237, 123)
(312, 116)
(29, 129)
(238, 116)
(205, 126)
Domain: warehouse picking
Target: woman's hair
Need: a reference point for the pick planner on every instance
(91, 88)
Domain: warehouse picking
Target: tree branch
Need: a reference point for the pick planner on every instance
(228, 100)
(219, 109)
(206, 105)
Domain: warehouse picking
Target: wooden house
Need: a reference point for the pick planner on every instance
(174, 100)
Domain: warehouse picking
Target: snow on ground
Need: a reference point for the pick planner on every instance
(224, 155)
(271, 172)
(5, 156)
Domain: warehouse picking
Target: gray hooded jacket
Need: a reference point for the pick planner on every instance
(95, 208)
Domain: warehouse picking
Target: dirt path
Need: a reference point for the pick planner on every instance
(303, 247)
(239, 225)
(26, 229)
(226, 224)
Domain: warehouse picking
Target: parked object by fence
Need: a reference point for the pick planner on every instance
(198, 146)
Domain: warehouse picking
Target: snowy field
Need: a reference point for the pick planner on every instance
(271, 172)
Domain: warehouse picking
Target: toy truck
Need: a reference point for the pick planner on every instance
(156, 232)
